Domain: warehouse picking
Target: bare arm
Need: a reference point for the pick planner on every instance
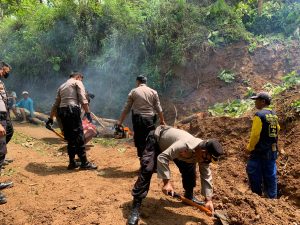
(86, 107)
(161, 118)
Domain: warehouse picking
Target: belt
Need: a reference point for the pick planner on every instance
(162, 130)
(139, 114)
(69, 108)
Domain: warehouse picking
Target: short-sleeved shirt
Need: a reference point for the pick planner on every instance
(144, 101)
(71, 93)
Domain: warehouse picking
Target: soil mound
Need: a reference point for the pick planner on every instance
(230, 179)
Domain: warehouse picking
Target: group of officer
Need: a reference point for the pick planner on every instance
(157, 146)
(6, 128)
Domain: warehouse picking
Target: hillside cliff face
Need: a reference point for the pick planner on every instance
(195, 86)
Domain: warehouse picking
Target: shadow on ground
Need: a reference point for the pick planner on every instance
(53, 140)
(159, 212)
(115, 172)
(45, 169)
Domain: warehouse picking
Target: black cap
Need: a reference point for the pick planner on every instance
(142, 79)
(263, 95)
(214, 148)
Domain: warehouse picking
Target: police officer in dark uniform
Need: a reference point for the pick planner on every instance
(261, 166)
(144, 104)
(71, 95)
(5, 125)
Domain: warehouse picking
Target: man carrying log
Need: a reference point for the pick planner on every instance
(70, 96)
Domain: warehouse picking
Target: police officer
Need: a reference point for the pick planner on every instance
(167, 144)
(261, 166)
(144, 103)
(4, 120)
(70, 96)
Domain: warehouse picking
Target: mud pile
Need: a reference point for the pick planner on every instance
(230, 179)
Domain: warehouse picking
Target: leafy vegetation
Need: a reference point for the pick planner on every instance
(278, 17)
(296, 106)
(234, 108)
(116, 40)
(289, 80)
(227, 76)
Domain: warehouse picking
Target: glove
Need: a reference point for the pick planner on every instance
(49, 123)
(88, 116)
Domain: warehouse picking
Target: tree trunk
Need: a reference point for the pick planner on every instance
(260, 5)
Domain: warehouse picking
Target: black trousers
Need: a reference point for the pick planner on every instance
(148, 165)
(141, 128)
(3, 148)
(9, 129)
(73, 131)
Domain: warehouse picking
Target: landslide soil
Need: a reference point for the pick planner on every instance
(230, 179)
(195, 86)
(46, 193)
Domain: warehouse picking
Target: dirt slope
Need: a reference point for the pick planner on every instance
(232, 193)
(195, 85)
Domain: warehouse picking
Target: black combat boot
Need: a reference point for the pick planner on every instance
(2, 199)
(189, 194)
(72, 163)
(86, 165)
(6, 185)
(134, 216)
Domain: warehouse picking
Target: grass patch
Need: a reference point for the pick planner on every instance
(106, 142)
(8, 172)
(31, 143)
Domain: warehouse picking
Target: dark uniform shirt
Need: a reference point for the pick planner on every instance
(264, 134)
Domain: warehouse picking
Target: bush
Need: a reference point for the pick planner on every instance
(227, 76)
(234, 108)
(289, 80)
(296, 105)
(276, 18)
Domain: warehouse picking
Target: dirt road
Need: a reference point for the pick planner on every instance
(45, 192)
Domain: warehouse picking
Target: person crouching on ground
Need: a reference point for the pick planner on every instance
(261, 166)
(25, 107)
(167, 144)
